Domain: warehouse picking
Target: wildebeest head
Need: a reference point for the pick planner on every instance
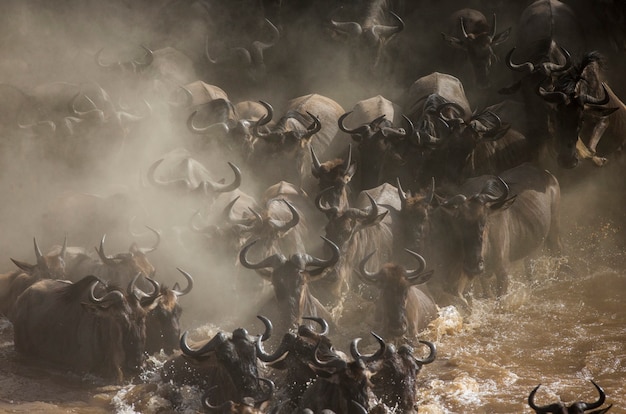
(394, 282)
(246, 406)
(294, 354)
(51, 266)
(373, 141)
(415, 210)
(575, 93)
(193, 182)
(290, 278)
(123, 317)
(336, 173)
(396, 377)
(290, 132)
(341, 382)
(477, 39)
(123, 266)
(470, 215)
(574, 408)
(163, 321)
(343, 224)
(367, 37)
(227, 361)
(249, 59)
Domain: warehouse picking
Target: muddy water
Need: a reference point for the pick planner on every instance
(561, 331)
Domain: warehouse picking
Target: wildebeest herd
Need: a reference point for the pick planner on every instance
(389, 155)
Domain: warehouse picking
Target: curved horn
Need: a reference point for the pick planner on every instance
(270, 358)
(268, 327)
(354, 351)
(590, 406)
(83, 114)
(217, 340)
(105, 259)
(335, 363)
(553, 96)
(433, 353)
(412, 274)
(139, 293)
(387, 31)
(371, 278)
(318, 202)
(347, 161)
(295, 219)
(222, 408)
(526, 67)
(543, 409)
(264, 120)
(220, 126)
(188, 99)
(373, 214)
(38, 254)
(225, 188)
(314, 128)
(140, 65)
(130, 290)
(322, 264)
(550, 67)
(493, 27)
(363, 129)
(591, 100)
(320, 321)
(113, 296)
(64, 247)
(146, 250)
(403, 196)
(462, 21)
(189, 284)
(353, 29)
(316, 165)
(272, 261)
(270, 391)
(104, 65)
(453, 105)
(175, 184)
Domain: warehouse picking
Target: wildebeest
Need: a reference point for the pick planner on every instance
(339, 381)
(574, 408)
(403, 308)
(335, 174)
(585, 108)
(229, 361)
(66, 324)
(76, 120)
(376, 119)
(246, 406)
(396, 376)
(188, 175)
(293, 356)
(309, 121)
(50, 266)
(359, 230)
(163, 319)
(548, 32)
(118, 269)
(469, 31)
(367, 29)
(290, 278)
(494, 221)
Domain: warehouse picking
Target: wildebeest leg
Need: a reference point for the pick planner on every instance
(502, 281)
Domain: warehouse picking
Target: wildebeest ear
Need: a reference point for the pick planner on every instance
(453, 41)
(23, 265)
(503, 205)
(501, 37)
